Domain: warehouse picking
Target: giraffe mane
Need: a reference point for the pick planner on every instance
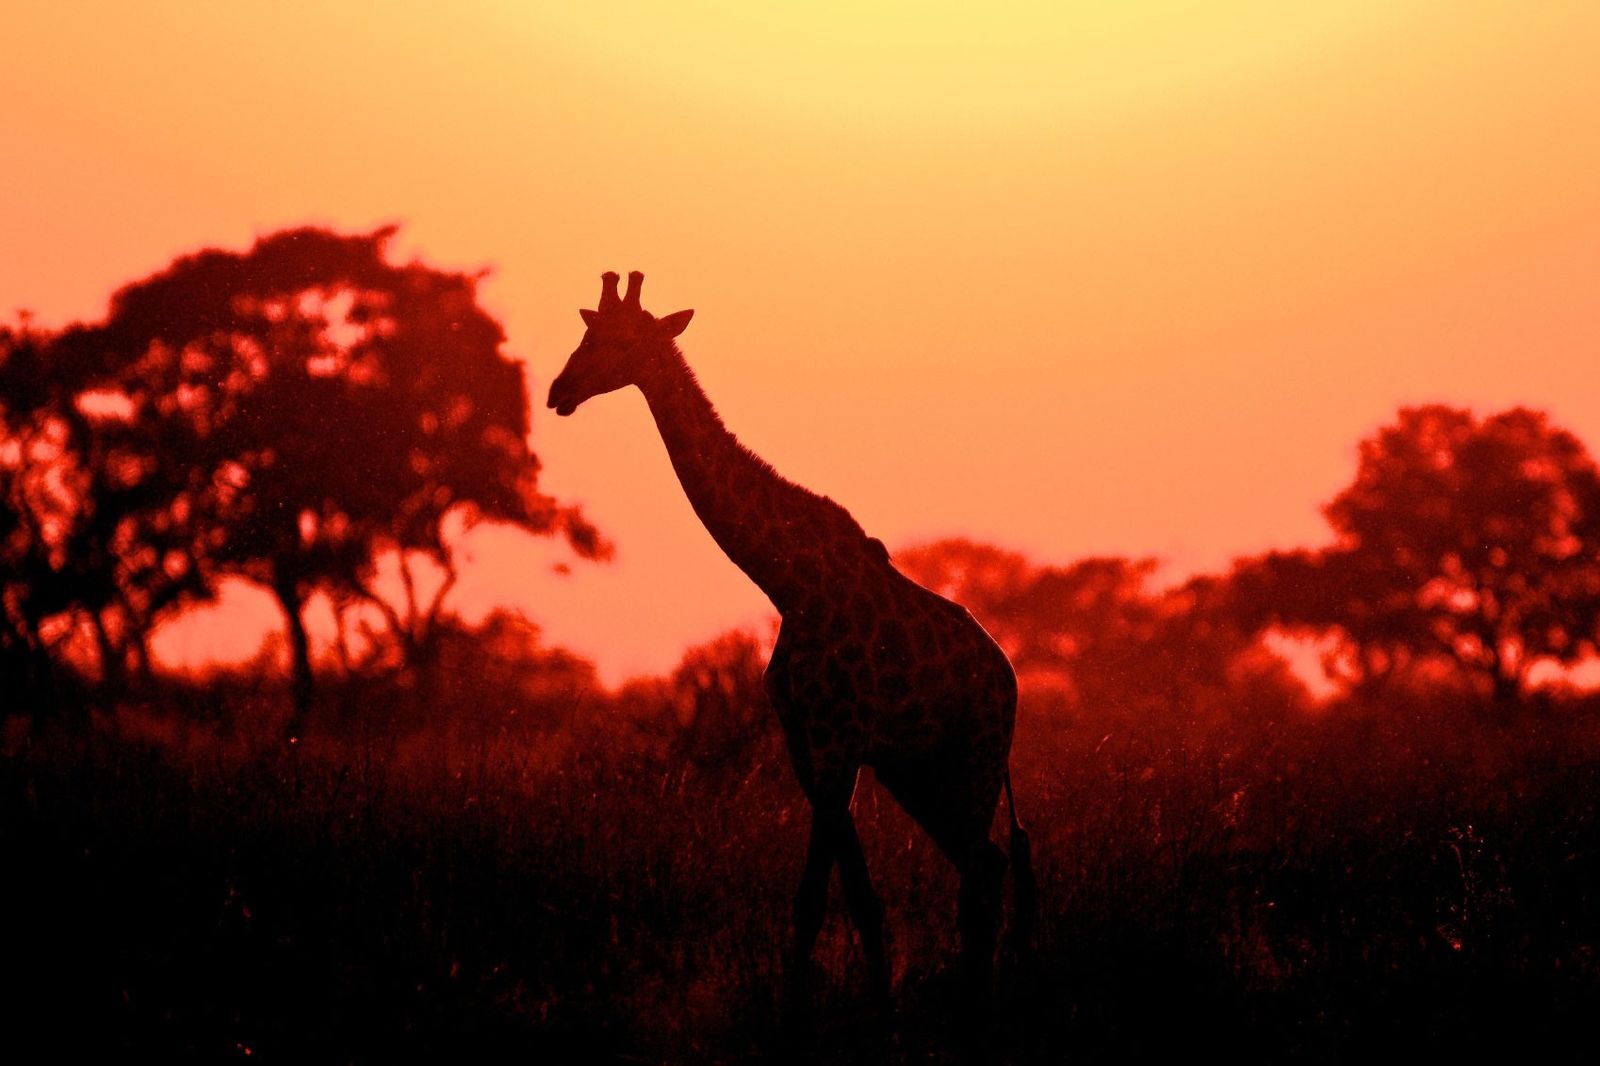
(829, 506)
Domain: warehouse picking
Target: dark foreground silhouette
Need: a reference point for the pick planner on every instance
(1394, 879)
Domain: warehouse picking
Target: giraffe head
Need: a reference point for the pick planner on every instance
(622, 342)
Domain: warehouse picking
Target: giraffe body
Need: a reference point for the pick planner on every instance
(869, 669)
(890, 675)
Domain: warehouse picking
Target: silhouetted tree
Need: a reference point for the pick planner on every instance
(500, 677)
(1467, 541)
(1095, 632)
(112, 534)
(38, 506)
(718, 701)
(311, 407)
(138, 551)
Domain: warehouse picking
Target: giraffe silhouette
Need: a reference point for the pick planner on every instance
(869, 667)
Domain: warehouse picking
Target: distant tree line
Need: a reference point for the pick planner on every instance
(1466, 552)
(295, 416)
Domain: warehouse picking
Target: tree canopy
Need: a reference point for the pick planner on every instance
(290, 414)
(1462, 541)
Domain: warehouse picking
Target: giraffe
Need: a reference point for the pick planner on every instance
(869, 668)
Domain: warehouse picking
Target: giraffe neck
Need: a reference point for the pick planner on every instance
(785, 538)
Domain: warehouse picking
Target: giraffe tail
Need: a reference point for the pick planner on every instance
(1024, 886)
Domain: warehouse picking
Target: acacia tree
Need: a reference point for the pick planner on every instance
(1473, 542)
(314, 407)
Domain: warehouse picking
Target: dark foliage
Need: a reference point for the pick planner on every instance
(293, 415)
(1384, 880)
(1463, 543)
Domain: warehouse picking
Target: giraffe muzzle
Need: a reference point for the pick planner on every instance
(562, 405)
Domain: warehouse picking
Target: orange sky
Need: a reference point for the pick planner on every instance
(1066, 280)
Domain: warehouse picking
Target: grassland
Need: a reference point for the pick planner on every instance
(1372, 882)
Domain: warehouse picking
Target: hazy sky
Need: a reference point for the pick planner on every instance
(1066, 280)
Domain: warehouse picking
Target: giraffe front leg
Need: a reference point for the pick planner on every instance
(811, 898)
(866, 910)
(810, 906)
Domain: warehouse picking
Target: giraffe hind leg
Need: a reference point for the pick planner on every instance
(978, 914)
(958, 821)
(1024, 883)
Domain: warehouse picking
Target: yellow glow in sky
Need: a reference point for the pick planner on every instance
(942, 63)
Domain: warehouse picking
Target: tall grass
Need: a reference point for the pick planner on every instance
(1377, 879)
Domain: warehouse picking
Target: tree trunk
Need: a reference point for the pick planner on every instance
(424, 662)
(1505, 676)
(293, 603)
(139, 644)
(113, 674)
(424, 657)
(1507, 690)
(41, 670)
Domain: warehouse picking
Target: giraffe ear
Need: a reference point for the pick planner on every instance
(676, 323)
(588, 316)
